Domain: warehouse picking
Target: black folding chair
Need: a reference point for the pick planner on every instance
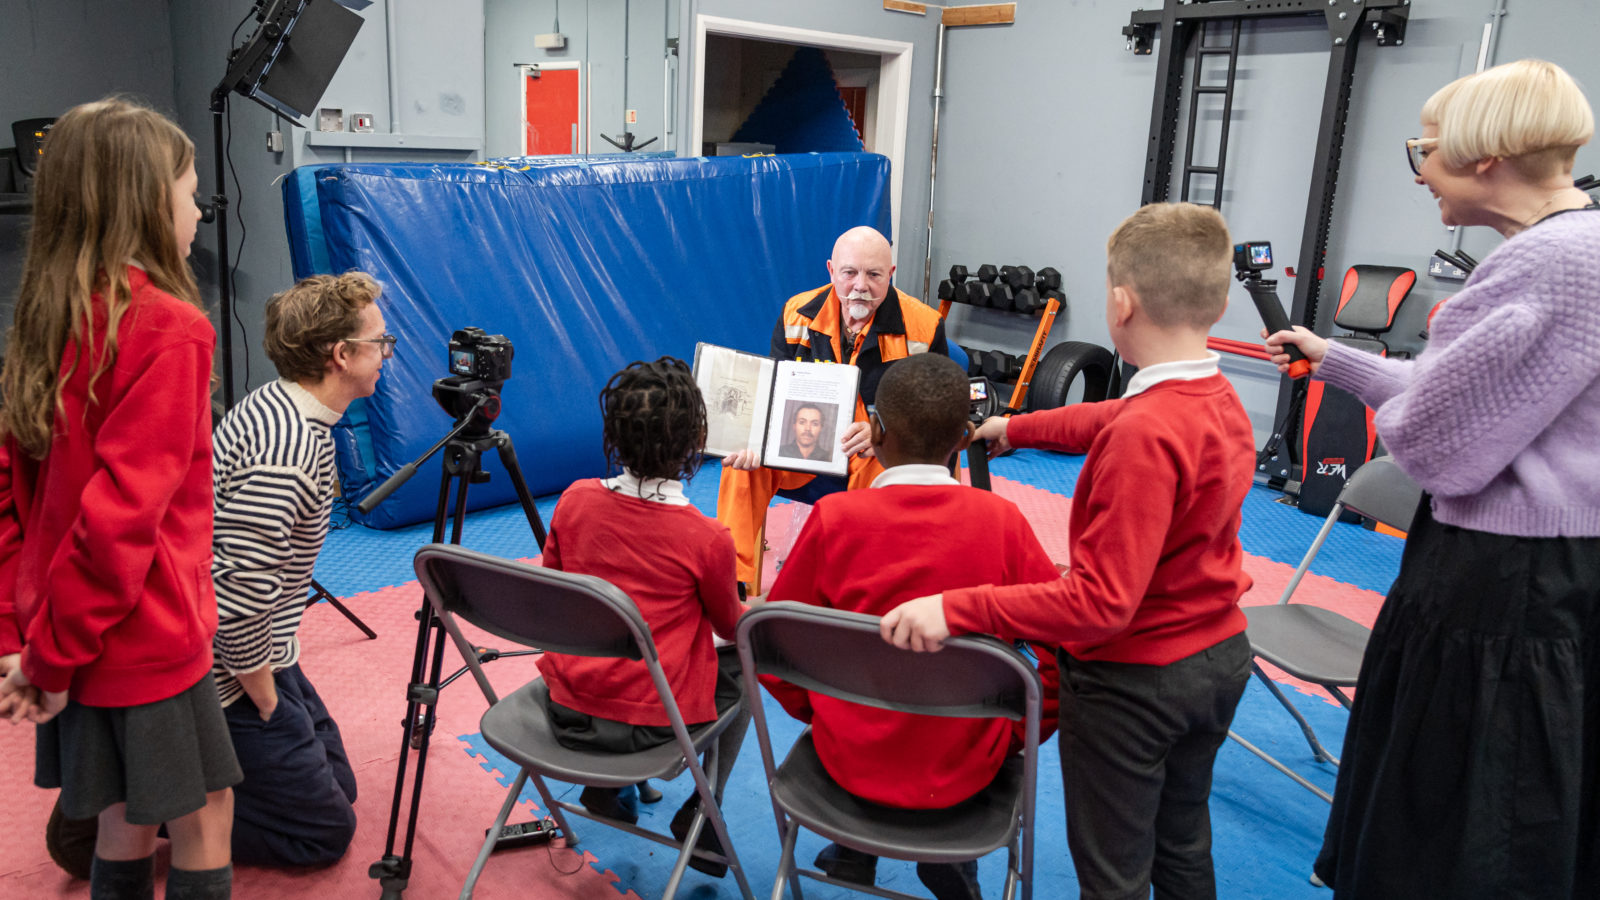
(841, 655)
(1319, 645)
(581, 615)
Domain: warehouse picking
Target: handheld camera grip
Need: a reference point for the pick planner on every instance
(1265, 295)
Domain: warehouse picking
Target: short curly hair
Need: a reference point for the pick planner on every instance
(307, 320)
(654, 419)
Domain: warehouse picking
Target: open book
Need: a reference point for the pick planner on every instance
(791, 412)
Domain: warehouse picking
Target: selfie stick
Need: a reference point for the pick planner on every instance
(1264, 291)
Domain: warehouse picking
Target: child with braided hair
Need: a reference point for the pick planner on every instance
(638, 531)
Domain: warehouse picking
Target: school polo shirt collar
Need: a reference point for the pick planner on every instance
(914, 473)
(1182, 370)
(660, 490)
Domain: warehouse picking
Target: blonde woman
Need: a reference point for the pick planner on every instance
(106, 603)
(1470, 762)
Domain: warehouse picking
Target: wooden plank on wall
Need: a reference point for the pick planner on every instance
(987, 14)
(906, 6)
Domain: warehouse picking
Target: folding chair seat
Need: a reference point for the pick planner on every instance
(840, 654)
(1315, 644)
(581, 615)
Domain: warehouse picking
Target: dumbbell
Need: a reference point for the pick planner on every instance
(1018, 277)
(954, 291)
(978, 292)
(987, 273)
(974, 361)
(1001, 367)
(1049, 279)
(1047, 295)
(1001, 296)
(1027, 300)
(958, 274)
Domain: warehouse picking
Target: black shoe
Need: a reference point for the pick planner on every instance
(707, 841)
(71, 841)
(846, 864)
(648, 793)
(613, 803)
(951, 881)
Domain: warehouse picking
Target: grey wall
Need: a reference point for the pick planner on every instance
(1073, 166)
(595, 34)
(55, 54)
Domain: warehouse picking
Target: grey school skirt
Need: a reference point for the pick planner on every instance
(160, 758)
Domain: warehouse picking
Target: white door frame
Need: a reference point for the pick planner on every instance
(523, 69)
(894, 85)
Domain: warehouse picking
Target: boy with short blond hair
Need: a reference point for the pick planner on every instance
(1153, 655)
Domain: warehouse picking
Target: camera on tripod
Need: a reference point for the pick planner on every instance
(479, 364)
(984, 403)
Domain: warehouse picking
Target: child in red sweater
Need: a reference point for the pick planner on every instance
(917, 529)
(1153, 654)
(640, 533)
(106, 602)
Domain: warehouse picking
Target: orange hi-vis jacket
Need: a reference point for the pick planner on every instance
(810, 331)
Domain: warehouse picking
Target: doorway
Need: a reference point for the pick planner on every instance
(552, 109)
(874, 72)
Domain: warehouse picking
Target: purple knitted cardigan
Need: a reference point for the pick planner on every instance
(1499, 418)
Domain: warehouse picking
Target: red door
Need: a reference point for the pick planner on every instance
(550, 118)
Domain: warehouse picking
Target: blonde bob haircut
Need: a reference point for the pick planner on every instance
(1529, 112)
(1176, 257)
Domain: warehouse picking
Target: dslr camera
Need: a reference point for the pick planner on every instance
(480, 356)
(480, 363)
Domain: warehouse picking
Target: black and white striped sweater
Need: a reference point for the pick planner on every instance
(273, 472)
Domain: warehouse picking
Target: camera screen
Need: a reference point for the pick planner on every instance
(979, 390)
(461, 362)
(1261, 255)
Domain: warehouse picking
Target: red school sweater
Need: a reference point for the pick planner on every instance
(869, 551)
(105, 544)
(1156, 565)
(676, 564)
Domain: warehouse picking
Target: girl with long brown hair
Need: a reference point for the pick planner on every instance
(106, 603)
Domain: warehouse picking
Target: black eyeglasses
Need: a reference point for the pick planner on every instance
(385, 343)
(1417, 150)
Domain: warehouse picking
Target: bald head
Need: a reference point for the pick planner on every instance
(860, 269)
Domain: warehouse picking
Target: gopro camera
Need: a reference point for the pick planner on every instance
(477, 355)
(984, 403)
(1252, 256)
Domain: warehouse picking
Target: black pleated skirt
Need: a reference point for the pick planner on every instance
(1469, 765)
(161, 758)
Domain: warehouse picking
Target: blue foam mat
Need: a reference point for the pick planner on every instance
(585, 266)
(1266, 828)
(366, 559)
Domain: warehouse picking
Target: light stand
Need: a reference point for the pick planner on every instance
(287, 77)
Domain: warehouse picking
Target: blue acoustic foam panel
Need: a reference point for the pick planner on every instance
(584, 266)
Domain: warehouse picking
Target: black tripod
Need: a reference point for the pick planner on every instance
(318, 592)
(464, 448)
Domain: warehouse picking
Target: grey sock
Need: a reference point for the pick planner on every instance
(122, 879)
(200, 884)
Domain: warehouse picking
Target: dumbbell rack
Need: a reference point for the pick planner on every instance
(1016, 289)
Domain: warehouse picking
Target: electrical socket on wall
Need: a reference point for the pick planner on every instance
(1438, 268)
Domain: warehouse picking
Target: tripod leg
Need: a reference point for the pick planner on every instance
(318, 592)
(508, 458)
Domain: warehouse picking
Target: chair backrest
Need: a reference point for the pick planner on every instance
(842, 655)
(545, 608)
(1379, 490)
